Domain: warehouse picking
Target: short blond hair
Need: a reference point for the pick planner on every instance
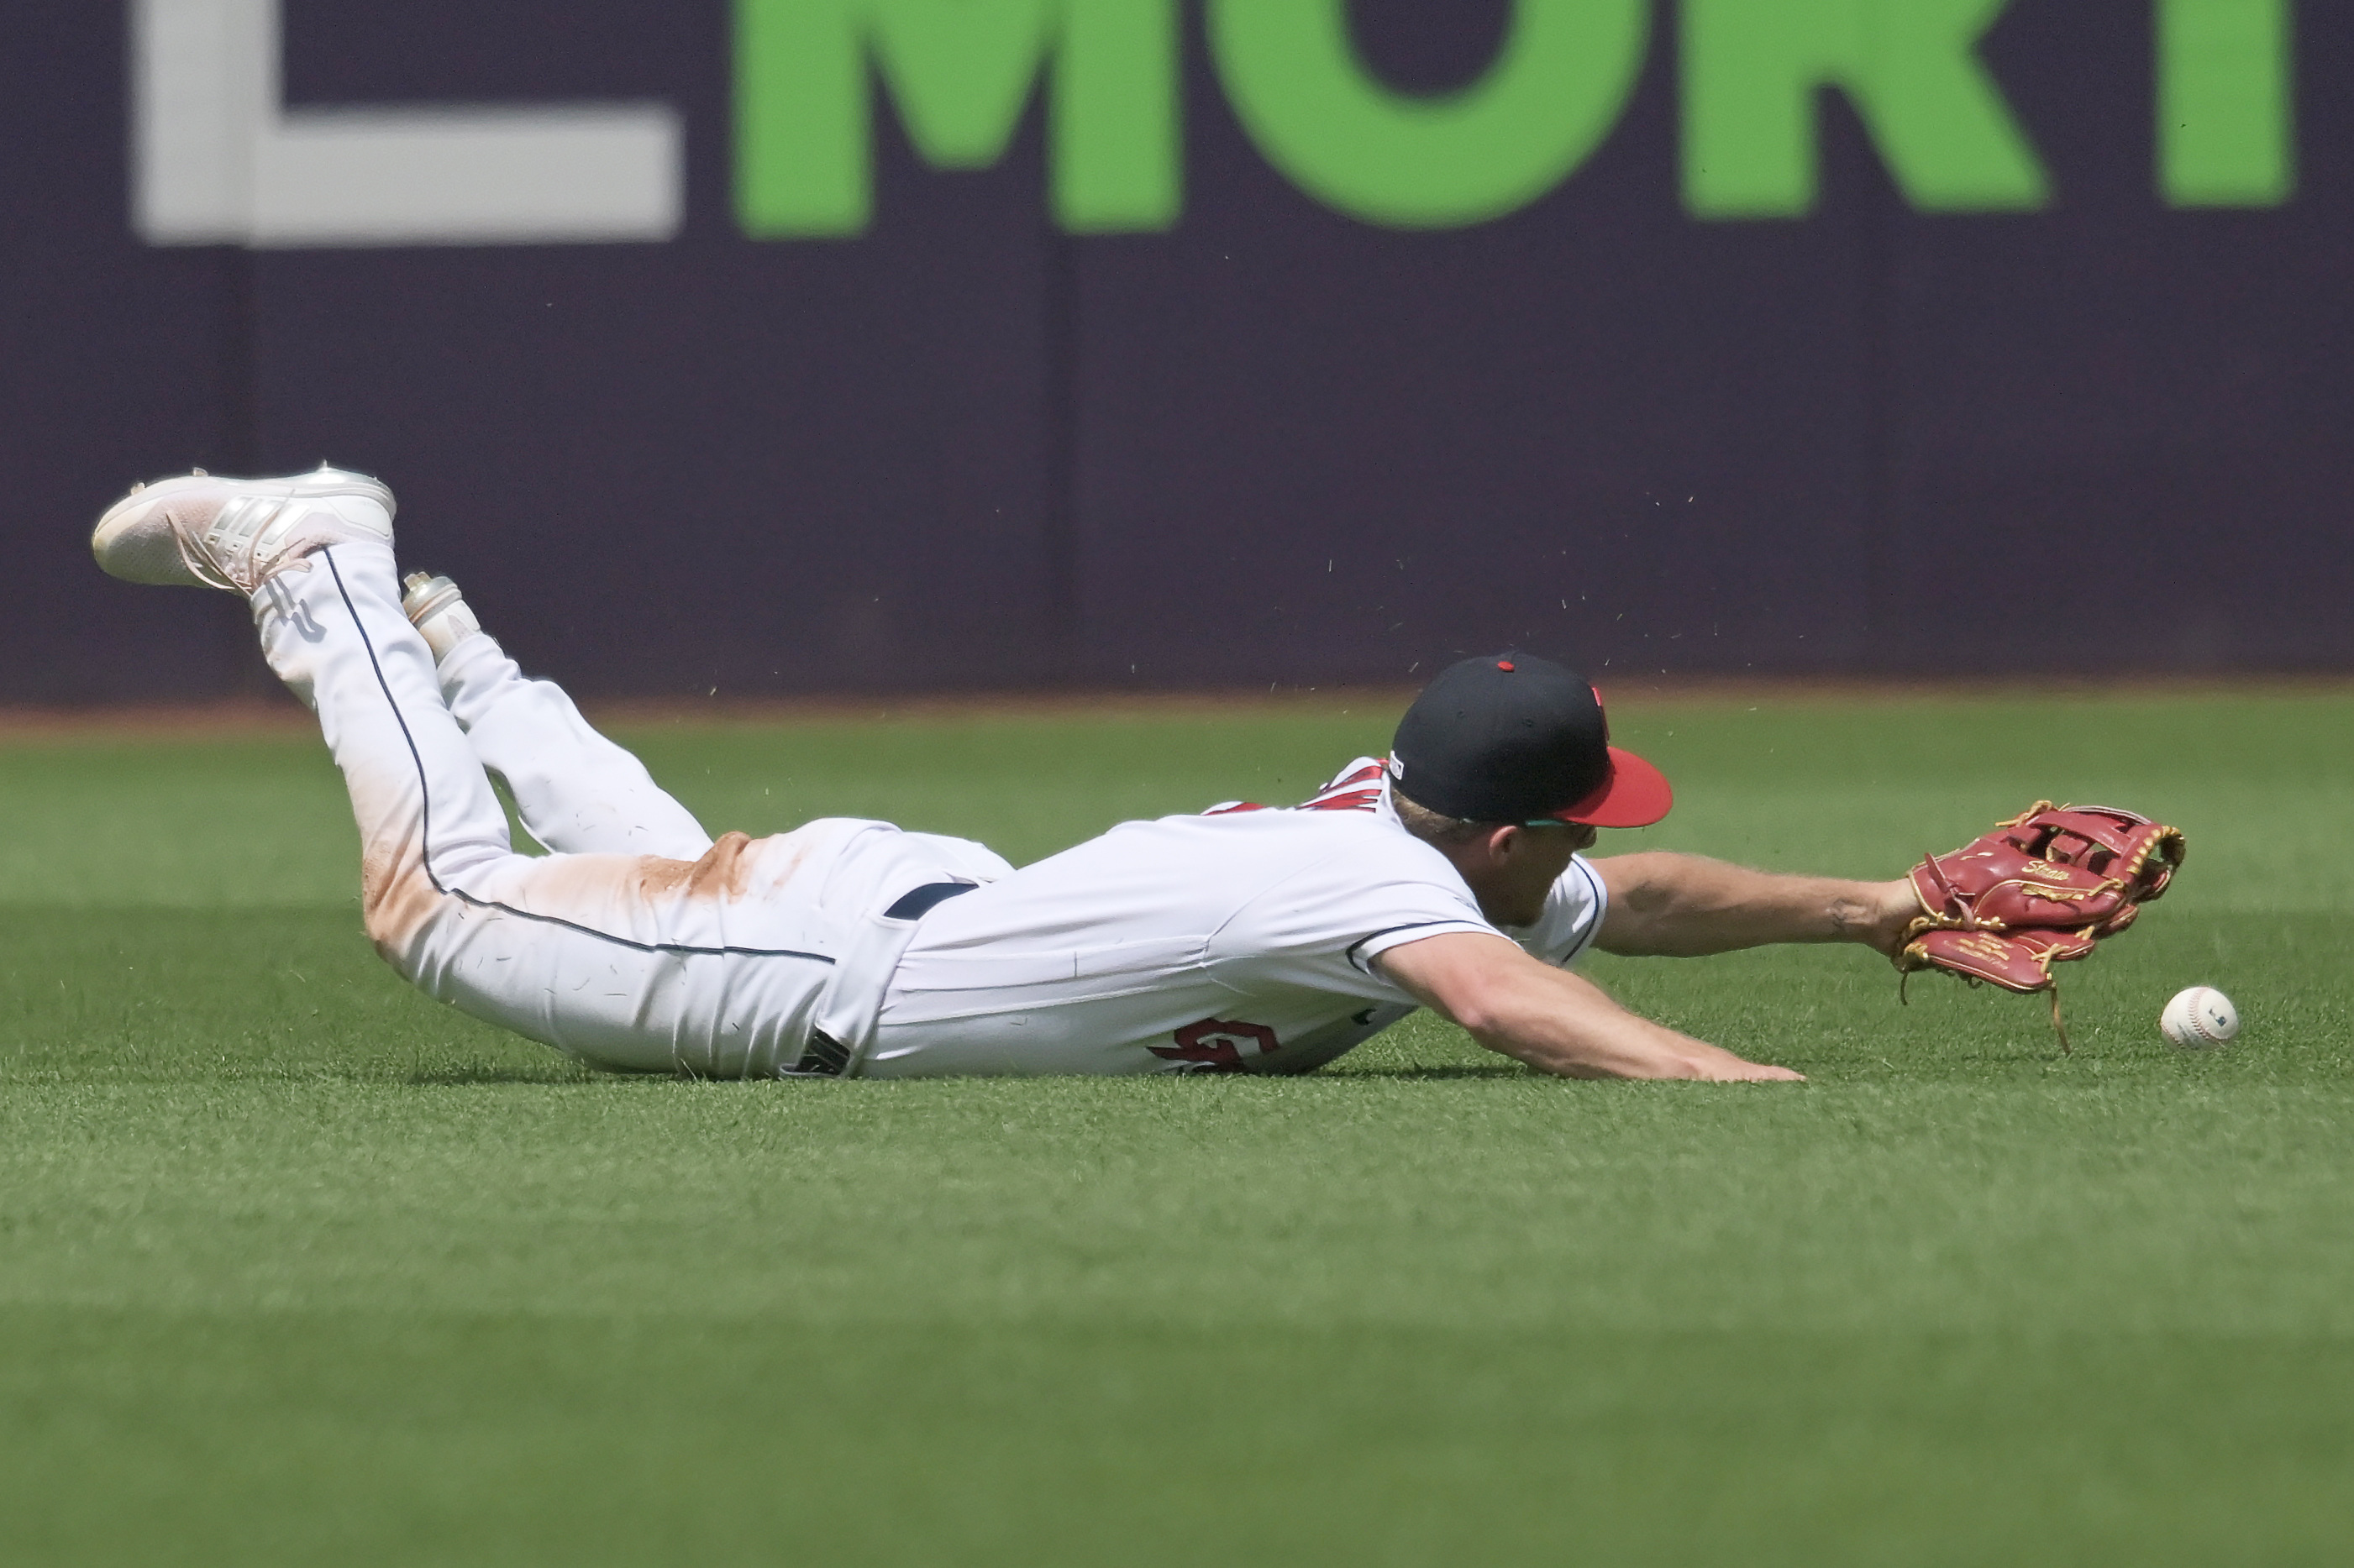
(1434, 827)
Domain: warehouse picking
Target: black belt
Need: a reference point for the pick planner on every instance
(925, 900)
(825, 1058)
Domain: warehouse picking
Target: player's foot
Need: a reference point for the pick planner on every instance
(203, 531)
(438, 611)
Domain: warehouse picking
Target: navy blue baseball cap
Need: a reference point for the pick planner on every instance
(1511, 737)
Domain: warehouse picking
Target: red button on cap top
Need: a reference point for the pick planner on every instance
(1504, 664)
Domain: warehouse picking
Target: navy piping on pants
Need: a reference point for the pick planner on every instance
(425, 827)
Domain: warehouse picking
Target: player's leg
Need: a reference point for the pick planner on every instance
(634, 961)
(575, 789)
(627, 961)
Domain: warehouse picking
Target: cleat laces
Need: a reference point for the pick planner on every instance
(229, 554)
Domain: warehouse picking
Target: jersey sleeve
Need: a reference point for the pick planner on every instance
(1572, 917)
(1322, 927)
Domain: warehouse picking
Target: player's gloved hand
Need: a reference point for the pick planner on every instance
(2042, 888)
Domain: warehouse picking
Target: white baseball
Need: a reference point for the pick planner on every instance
(2199, 1018)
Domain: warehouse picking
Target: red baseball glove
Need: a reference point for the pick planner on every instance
(2040, 889)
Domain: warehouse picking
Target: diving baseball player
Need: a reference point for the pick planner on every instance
(1446, 876)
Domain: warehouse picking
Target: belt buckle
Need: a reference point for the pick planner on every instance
(825, 1058)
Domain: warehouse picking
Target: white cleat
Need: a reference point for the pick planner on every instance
(201, 531)
(438, 611)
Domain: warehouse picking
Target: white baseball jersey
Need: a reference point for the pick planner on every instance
(1239, 939)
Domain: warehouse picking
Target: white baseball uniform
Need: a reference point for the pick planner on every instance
(1242, 938)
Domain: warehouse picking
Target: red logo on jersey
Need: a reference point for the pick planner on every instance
(1345, 801)
(1217, 1044)
(1359, 790)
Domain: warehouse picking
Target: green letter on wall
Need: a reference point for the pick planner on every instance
(960, 72)
(2226, 105)
(1751, 68)
(1296, 80)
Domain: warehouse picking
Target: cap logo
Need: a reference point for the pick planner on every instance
(1504, 664)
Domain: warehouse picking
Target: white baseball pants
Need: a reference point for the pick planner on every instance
(640, 944)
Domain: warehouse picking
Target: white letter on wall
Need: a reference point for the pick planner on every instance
(217, 159)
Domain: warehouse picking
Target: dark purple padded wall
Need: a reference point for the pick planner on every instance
(705, 463)
(1276, 444)
(115, 360)
(1311, 450)
(2115, 402)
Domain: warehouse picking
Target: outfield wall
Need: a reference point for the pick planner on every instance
(1223, 358)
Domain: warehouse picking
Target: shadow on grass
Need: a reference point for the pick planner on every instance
(1449, 1070)
(470, 1073)
(494, 1074)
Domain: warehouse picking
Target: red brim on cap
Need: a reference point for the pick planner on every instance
(1636, 795)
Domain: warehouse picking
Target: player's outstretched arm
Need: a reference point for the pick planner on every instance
(1685, 905)
(1554, 1021)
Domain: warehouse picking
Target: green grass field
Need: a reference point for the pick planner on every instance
(295, 1265)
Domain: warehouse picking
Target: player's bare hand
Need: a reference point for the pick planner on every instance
(1737, 1071)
